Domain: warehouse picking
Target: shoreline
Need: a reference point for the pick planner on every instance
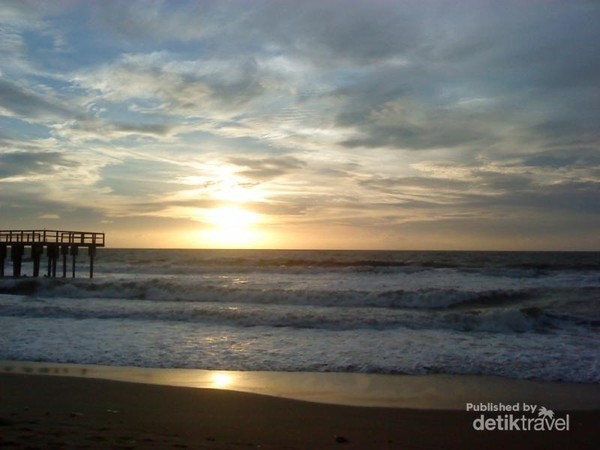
(432, 392)
(66, 412)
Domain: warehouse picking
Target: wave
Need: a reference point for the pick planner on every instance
(197, 290)
(323, 301)
(500, 319)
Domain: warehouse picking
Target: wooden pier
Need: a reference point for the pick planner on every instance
(55, 242)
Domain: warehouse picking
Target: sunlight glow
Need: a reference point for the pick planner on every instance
(221, 380)
(232, 227)
(231, 217)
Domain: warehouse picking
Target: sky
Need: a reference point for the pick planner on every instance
(338, 124)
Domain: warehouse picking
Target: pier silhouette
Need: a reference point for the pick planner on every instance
(55, 242)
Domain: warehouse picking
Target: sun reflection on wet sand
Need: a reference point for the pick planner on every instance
(221, 380)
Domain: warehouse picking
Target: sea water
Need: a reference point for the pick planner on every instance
(513, 314)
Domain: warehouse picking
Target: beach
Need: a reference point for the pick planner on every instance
(304, 350)
(66, 412)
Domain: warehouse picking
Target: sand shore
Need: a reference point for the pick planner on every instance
(40, 412)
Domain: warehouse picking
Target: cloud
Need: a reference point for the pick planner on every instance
(27, 104)
(353, 32)
(49, 216)
(566, 197)
(23, 203)
(16, 164)
(21, 12)
(136, 178)
(490, 190)
(176, 86)
(158, 129)
(408, 126)
(396, 184)
(431, 100)
(565, 133)
(578, 157)
(141, 21)
(266, 168)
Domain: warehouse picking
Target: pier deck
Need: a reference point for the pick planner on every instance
(55, 242)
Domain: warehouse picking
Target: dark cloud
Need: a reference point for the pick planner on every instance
(158, 129)
(242, 82)
(339, 30)
(494, 181)
(397, 184)
(5, 139)
(408, 108)
(567, 132)
(580, 157)
(26, 163)
(28, 104)
(430, 134)
(490, 192)
(565, 197)
(266, 168)
(352, 30)
(140, 21)
(500, 67)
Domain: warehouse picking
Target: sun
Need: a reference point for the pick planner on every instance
(231, 227)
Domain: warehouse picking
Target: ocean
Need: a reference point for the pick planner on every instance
(526, 315)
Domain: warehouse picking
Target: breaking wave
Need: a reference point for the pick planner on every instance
(177, 300)
(167, 289)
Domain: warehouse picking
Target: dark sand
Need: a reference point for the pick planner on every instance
(46, 412)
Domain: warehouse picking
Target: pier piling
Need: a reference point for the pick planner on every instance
(52, 252)
(92, 254)
(74, 251)
(55, 242)
(36, 252)
(16, 254)
(64, 251)
(3, 251)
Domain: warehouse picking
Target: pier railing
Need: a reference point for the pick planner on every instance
(29, 237)
(56, 243)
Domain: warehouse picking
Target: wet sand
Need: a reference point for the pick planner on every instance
(433, 391)
(44, 412)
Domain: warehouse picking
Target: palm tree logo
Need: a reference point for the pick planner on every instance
(545, 413)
